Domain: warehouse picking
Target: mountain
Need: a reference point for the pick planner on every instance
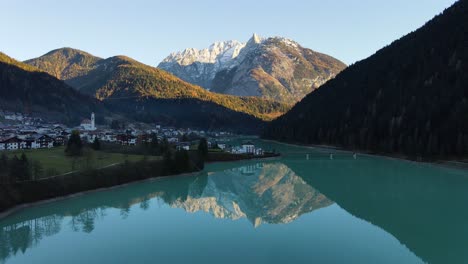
(150, 94)
(274, 68)
(26, 89)
(408, 98)
(200, 66)
(66, 63)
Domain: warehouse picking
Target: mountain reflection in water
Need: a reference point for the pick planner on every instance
(261, 192)
(270, 193)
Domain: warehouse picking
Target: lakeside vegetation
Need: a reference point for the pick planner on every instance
(22, 183)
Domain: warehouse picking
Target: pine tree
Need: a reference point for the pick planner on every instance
(96, 144)
(74, 145)
(203, 148)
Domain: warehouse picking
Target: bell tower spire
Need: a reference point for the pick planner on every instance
(93, 122)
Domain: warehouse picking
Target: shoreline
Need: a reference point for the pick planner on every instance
(452, 164)
(18, 208)
(253, 159)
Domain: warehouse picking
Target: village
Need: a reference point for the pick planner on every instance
(18, 131)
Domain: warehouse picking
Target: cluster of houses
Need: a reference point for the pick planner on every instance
(244, 148)
(30, 140)
(20, 117)
(37, 135)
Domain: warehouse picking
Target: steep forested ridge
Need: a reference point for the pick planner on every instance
(24, 88)
(409, 97)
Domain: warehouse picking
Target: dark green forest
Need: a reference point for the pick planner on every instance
(409, 98)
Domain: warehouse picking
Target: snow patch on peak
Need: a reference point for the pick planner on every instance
(289, 42)
(216, 53)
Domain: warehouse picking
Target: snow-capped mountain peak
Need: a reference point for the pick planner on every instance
(218, 51)
(276, 68)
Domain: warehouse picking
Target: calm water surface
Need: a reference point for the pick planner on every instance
(302, 208)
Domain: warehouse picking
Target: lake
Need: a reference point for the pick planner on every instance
(305, 207)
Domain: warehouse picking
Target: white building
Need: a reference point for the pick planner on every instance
(13, 143)
(14, 116)
(248, 148)
(222, 146)
(89, 125)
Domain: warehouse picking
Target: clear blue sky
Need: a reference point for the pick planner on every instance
(148, 31)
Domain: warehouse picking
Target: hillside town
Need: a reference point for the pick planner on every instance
(18, 131)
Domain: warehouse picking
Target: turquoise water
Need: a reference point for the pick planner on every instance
(301, 208)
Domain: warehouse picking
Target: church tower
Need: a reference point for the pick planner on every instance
(93, 122)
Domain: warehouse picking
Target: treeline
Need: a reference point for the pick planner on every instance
(409, 98)
(91, 179)
(174, 162)
(19, 169)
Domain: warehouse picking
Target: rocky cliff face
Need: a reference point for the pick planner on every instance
(274, 68)
(200, 66)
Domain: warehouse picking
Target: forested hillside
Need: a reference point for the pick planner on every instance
(154, 95)
(410, 97)
(24, 88)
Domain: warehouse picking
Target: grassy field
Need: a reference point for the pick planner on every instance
(54, 160)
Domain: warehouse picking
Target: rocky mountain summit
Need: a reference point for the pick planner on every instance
(200, 66)
(275, 68)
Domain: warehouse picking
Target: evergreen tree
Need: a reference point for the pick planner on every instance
(168, 161)
(203, 148)
(165, 146)
(74, 145)
(96, 144)
(154, 145)
(13, 168)
(4, 168)
(24, 167)
(37, 170)
(182, 161)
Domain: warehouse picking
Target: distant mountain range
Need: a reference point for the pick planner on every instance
(151, 94)
(410, 97)
(274, 68)
(24, 88)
